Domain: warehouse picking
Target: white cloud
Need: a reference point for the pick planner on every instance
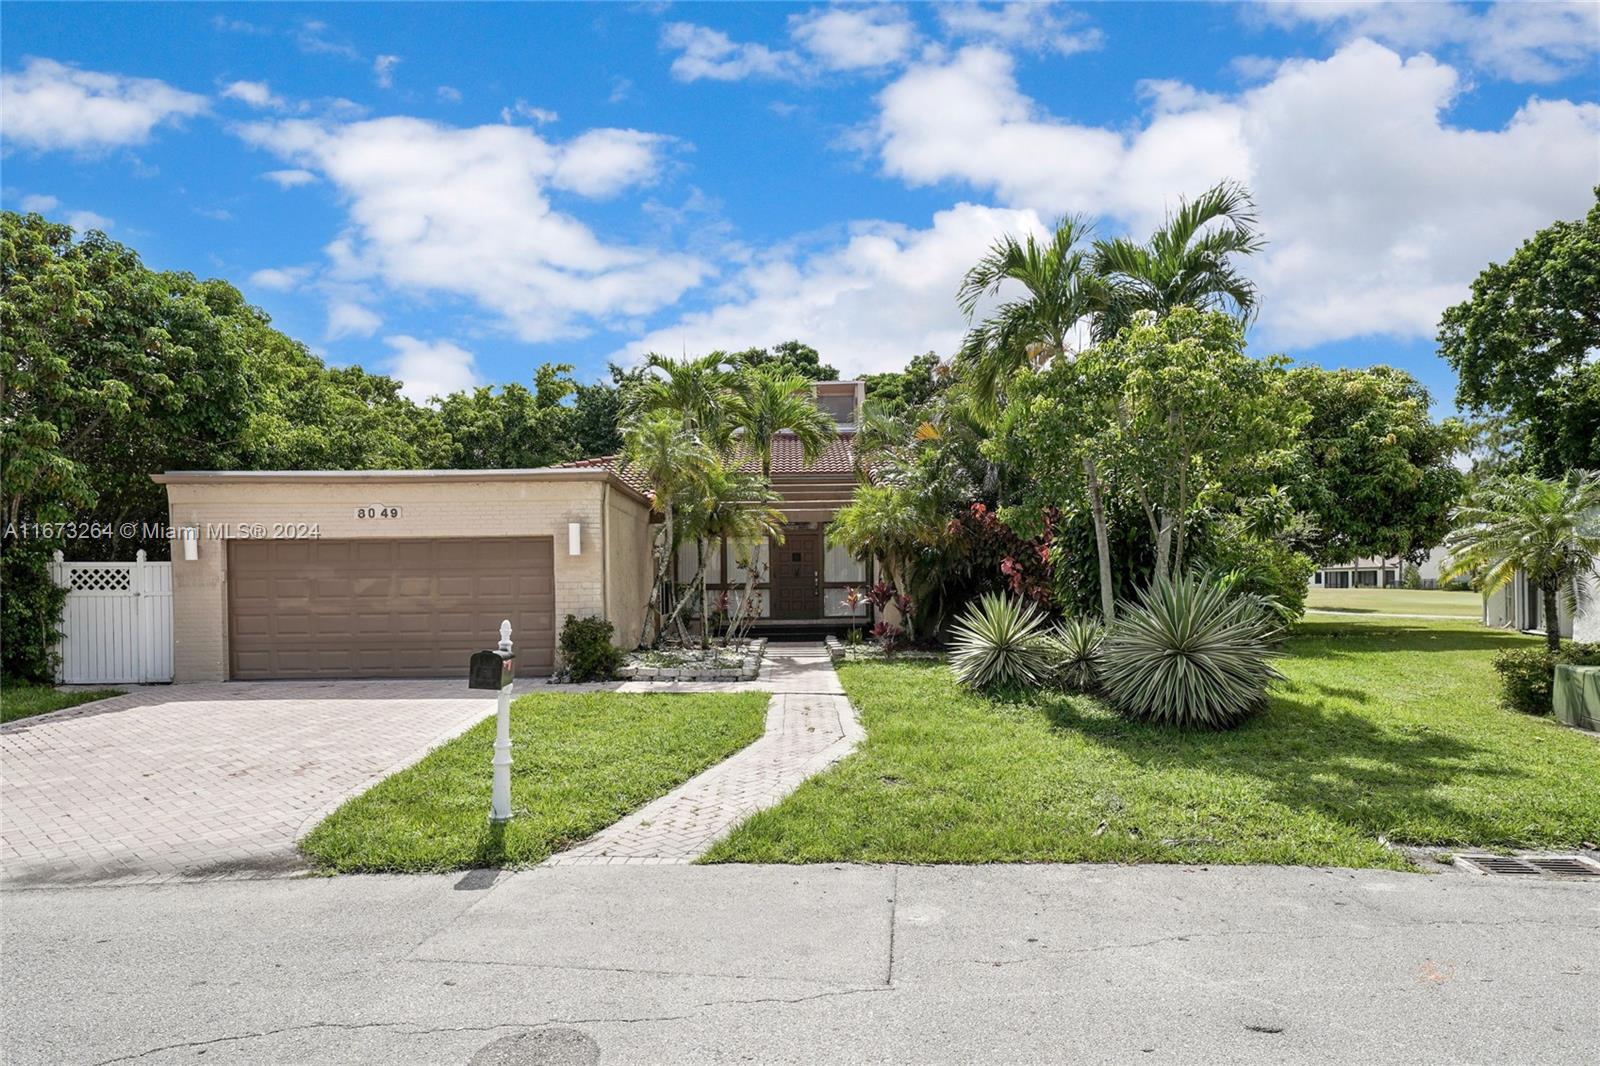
(855, 38)
(449, 94)
(49, 105)
(383, 70)
(430, 368)
(40, 204)
(885, 294)
(256, 94)
(1378, 213)
(466, 212)
(347, 319)
(1037, 27)
(281, 279)
(523, 109)
(708, 53)
(290, 179)
(83, 221)
(1530, 42)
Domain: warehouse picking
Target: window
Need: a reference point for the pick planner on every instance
(839, 406)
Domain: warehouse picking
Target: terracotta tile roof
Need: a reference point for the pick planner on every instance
(787, 458)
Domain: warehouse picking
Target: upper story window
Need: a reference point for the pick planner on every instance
(841, 407)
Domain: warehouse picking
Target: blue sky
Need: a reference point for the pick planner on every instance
(456, 193)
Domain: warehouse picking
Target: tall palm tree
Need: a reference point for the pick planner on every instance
(1549, 529)
(1060, 291)
(693, 391)
(672, 461)
(737, 506)
(890, 523)
(768, 400)
(1189, 260)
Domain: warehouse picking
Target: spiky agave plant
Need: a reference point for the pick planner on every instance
(1001, 642)
(1189, 654)
(1078, 641)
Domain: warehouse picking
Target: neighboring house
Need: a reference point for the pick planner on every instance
(1520, 606)
(338, 574)
(1377, 572)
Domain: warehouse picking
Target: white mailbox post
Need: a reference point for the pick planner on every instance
(496, 670)
(500, 807)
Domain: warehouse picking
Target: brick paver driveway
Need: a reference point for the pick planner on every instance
(205, 780)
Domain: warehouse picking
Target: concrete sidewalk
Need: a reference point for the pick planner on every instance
(666, 964)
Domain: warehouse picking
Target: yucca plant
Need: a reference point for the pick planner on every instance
(1189, 654)
(1078, 642)
(1001, 642)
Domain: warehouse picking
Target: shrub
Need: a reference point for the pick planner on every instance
(30, 611)
(1276, 575)
(1527, 675)
(1000, 641)
(587, 653)
(1078, 642)
(1189, 654)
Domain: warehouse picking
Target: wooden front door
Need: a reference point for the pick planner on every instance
(797, 576)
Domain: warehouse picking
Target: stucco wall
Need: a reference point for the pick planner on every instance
(444, 506)
(627, 565)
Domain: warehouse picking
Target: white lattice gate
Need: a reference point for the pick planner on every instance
(117, 625)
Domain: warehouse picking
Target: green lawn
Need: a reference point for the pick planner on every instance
(19, 700)
(1384, 727)
(1398, 601)
(582, 762)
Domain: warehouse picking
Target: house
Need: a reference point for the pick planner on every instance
(1375, 572)
(404, 573)
(1519, 605)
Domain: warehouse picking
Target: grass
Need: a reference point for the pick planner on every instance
(581, 762)
(1398, 601)
(21, 700)
(1382, 728)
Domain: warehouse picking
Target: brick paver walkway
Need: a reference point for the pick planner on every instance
(205, 780)
(810, 725)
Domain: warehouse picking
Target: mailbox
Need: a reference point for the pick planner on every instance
(492, 670)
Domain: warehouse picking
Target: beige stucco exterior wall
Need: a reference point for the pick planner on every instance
(627, 565)
(446, 505)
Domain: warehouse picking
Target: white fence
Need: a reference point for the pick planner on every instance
(117, 625)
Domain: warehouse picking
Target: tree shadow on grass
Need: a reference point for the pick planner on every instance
(1309, 757)
(1347, 640)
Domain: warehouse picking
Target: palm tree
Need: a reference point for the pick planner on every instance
(768, 400)
(1187, 261)
(693, 391)
(738, 506)
(1549, 529)
(1061, 290)
(673, 461)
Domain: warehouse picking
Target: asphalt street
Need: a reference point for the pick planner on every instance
(665, 964)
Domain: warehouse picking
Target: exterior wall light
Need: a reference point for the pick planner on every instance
(574, 538)
(191, 543)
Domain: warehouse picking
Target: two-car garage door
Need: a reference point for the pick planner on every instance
(387, 608)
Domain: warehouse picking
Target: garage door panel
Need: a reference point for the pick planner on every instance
(387, 608)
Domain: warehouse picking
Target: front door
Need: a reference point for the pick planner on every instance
(797, 576)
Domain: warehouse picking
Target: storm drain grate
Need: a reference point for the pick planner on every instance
(1500, 864)
(1566, 867)
(1557, 865)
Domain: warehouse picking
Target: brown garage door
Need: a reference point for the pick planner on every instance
(387, 608)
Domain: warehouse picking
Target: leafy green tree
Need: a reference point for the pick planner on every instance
(512, 427)
(597, 411)
(896, 391)
(1187, 262)
(1548, 528)
(673, 460)
(1523, 345)
(1374, 473)
(769, 400)
(1173, 412)
(793, 356)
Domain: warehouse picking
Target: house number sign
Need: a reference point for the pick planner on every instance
(377, 510)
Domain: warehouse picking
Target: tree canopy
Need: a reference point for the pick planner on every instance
(1525, 343)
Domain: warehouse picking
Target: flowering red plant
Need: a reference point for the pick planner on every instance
(880, 594)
